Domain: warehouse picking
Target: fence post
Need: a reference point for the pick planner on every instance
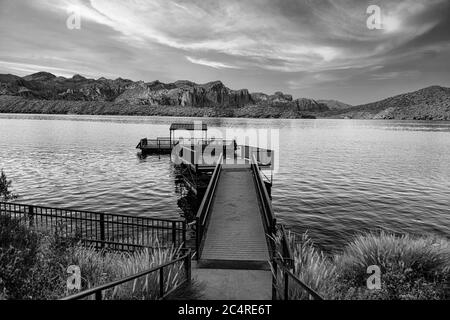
(286, 286)
(197, 237)
(187, 265)
(98, 295)
(174, 234)
(274, 280)
(102, 230)
(161, 282)
(184, 234)
(30, 215)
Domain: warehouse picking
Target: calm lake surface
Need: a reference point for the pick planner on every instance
(336, 178)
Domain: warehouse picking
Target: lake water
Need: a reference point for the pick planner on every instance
(336, 178)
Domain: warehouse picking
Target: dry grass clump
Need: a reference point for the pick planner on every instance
(99, 267)
(411, 267)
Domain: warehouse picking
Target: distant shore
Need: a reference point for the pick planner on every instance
(20, 105)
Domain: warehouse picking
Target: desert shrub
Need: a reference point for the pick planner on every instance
(18, 254)
(311, 265)
(411, 267)
(5, 188)
(99, 267)
(32, 262)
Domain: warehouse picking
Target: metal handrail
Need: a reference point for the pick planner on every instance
(286, 250)
(90, 212)
(203, 211)
(97, 291)
(269, 217)
(100, 229)
(287, 274)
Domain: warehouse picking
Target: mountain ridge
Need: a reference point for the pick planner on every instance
(43, 92)
(430, 103)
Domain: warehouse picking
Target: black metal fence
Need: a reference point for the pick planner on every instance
(154, 284)
(102, 230)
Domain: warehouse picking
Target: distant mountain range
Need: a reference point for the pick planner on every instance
(44, 92)
(432, 103)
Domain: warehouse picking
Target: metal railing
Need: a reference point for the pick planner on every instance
(147, 281)
(202, 218)
(287, 286)
(270, 221)
(102, 230)
(158, 143)
(285, 250)
(264, 157)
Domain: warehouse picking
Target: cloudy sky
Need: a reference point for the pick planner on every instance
(309, 48)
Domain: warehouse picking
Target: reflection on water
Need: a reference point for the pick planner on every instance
(336, 177)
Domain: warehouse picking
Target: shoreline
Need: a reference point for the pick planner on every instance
(2, 114)
(20, 105)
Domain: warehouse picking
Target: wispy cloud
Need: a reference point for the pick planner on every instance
(212, 64)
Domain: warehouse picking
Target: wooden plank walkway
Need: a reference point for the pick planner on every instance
(235, 238)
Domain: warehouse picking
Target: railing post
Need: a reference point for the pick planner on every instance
(187, 265)
(102, 230)
(197, 237)
(274, 280)
(98, 295)
(161, 282)
(184, 234)
(30, 215)
(174, 234)
(286, 286)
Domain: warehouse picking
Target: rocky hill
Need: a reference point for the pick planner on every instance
(44, 91)
(432, 103)
(334, 104)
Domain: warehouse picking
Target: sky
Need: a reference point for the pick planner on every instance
(319, 49)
